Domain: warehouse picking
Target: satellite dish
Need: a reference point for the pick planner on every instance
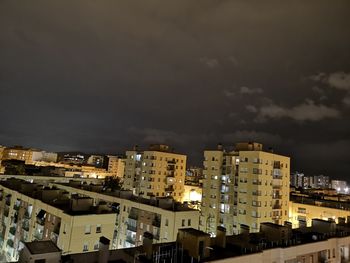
(314, 237)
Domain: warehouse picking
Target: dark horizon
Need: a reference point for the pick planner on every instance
(104, 76)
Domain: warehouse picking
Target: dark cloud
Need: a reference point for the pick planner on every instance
(105, 75)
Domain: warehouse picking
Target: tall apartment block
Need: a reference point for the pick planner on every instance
(244, 187)
(115, 165)
(157, 171)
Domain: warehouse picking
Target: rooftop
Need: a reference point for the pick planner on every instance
(161, 202)
(42, 247)
(72, 205)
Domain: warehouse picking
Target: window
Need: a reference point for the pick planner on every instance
(98, 228)
(85, 247)
(189, 222)
(166, 222)
(141, 225)
(87, 229)
(96, 246)
(183, 222)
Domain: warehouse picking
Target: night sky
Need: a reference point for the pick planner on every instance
(101, 76)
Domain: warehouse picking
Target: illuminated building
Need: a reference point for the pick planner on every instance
(245, 186)
(157, 171)
(340, 186)
(116, 166)
(30, 212)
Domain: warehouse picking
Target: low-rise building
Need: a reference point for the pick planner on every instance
(324, 241)
(29, 212)
(136, 215)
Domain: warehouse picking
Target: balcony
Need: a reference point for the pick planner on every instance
(257, 183)
(277, 177)
(12, 231)
(38, 235)
(10, 243)
(276, 196)
(130, 240)
(277, 206)
(25, 226)
(40, 221)
(169, 189)
(27, 215)
(131, 228)
(156, 222)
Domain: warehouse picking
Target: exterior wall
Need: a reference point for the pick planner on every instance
(155, 173)
(170, 221)
(192, 194)
(263, 186)
(116, 166)
(332, 250)
(307, 212)
(43, 156)
(21, 224)
(21, 154)
(245, 187)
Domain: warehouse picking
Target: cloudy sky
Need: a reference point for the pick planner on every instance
(101, 76)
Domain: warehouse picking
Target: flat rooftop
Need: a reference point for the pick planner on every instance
(42, 247)
(58, 201)
(175, 207)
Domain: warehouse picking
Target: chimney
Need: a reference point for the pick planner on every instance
(148, 244)
(220, 239)
(220, 146)
(135, 148)
(103, 250)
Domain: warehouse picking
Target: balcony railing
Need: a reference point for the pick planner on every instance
(276, 206)
(130, 240)
(169, 189)
(131, 228)
(276, 196)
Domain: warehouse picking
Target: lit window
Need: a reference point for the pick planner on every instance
(88, 229)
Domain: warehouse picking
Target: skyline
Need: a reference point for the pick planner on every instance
(103, 76)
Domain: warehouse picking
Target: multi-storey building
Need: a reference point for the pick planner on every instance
(194, 176)
(95, 160)
(29, 211)
(340, 186)
(155, 172)
(2, 169)
(115, 166)
(245, 186)
(28, 155)
(136, 215)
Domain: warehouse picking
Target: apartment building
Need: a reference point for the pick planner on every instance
(303, 208)
(29, 212)
(116, 166)
(136, 215)
(157, 171)
(324, 241)
(2, 169)
(28, 155)
(244, 186)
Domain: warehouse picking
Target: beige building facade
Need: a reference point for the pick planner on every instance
(156, 172)
(30, 212)
(246, 186)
